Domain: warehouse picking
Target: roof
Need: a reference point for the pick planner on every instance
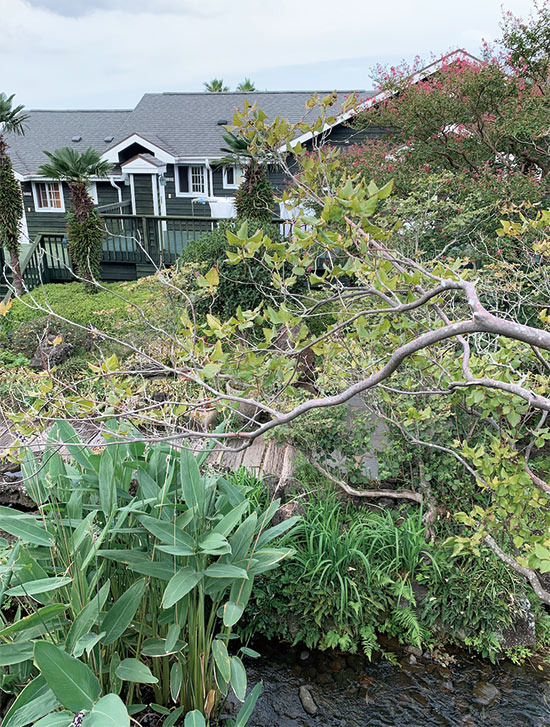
(372, 99)
(51, 130)
(182, 124)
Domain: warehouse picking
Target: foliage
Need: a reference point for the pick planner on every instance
(216, 85)
(71, 165)
(84, 226)
(12, 121)
(241, 285)
(85, 245)
(246, 86)
(129, 578)
(254, 199)
(358, 573)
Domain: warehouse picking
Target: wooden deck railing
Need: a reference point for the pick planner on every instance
(131, 242)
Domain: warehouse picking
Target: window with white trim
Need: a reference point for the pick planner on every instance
(232, 176)
(48, 197)
(191, 179)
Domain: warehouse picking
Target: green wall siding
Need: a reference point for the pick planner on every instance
(106, 193)
(181, 205)
(52, 222)
(143, 194)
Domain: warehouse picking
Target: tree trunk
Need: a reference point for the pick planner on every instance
(16, 272)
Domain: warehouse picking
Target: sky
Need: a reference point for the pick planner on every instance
(107, 53)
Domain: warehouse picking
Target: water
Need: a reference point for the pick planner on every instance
(351, 692)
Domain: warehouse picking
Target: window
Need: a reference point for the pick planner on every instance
(232, 176)
(48, 197)
(191, 180)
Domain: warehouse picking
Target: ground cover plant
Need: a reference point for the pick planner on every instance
(127, 580)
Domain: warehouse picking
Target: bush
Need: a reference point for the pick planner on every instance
(244, 284)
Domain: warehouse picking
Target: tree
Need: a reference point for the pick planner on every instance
(426, 343)
(85, 228)
(246, 85)
(216, 85)
(12, 121)
(254, 199)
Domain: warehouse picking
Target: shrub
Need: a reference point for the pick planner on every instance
(136, 567)
(244, 284)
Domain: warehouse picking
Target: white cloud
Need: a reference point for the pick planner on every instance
(112, 54)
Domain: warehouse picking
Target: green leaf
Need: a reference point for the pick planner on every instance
(66, 435)
(232, 613)
(192, 484)
(107, 484)
(87, 617)
(172, 718)
(180, 585)
(214, 544)
(238, 678)
(167, 532)
(42, 585)
(248, 707)
(108, 712)
(133, 670)
(39, 617)
(157, 647)
(228, 522)
(25, 527)
(221, 657)
(154, 568)
(194, 719)
(72, 682)
(56, 719)
(36, 700)
(223, 570)
(120, 615)
(172, 636)
(15, 653)
(176, 673)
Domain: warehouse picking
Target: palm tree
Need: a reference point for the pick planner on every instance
(254, 199)
(84, 226)
(12, 121)
(247, 85)
(215, 86)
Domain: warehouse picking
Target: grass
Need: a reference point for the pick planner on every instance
(114, 303)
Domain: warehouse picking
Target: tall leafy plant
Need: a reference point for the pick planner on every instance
(131, 577)
(85, 228)
(12, 121)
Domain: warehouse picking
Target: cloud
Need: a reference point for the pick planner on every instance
(104, 53)
(78, 8)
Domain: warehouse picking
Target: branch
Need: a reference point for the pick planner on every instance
(527, 573)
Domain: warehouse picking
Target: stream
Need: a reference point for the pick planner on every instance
(350, 691)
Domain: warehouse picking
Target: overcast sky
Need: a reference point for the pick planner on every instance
(107, 53)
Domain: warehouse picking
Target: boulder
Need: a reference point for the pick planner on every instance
(521, 631)
(52, 351)
(485, 693)
(307, 701)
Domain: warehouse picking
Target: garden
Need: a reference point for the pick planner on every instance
(390, 354)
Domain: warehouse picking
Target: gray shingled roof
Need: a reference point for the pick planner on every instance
(183, 124)
(51, 130)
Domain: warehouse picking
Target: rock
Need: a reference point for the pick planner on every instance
(287, 511)
(412, 659)
(521, 631)
(51, 352)
(485, 693)
(337, 664)
(304, 654)
(307, 701)
(414, 650)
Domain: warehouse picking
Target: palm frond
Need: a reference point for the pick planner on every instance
(71, 165)
(12, 118)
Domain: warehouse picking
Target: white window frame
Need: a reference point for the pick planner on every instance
(36, 197)
(92, 191)
(190, 167)
(238, 176)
